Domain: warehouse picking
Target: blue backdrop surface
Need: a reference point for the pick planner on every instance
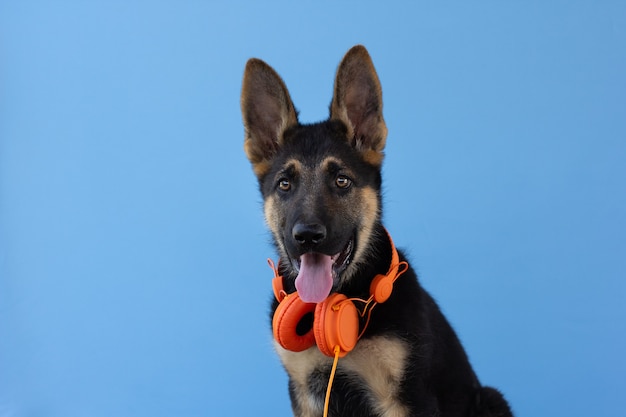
(133, 277)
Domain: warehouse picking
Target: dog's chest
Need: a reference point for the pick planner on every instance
(378, 363)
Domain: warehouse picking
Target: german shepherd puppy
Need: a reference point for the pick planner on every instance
(321, 186)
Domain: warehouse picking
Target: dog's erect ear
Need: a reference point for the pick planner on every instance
(358, 103)
(267, 112)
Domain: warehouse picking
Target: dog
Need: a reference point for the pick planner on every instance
(355, 331)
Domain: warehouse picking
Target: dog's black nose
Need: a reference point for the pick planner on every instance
(309, 234)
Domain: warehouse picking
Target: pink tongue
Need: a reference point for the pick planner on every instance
(315, 278)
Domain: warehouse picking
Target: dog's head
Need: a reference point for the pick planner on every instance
(320, 182)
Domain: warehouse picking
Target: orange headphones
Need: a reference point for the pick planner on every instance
(335, 320)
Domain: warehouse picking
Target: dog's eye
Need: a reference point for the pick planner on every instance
(284, 184)
(343, 181)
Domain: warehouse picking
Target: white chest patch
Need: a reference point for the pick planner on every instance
(379, 362)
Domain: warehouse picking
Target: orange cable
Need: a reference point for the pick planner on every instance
(330, 381)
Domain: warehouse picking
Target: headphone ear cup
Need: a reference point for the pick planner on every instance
(381, 288)
(287, 316)
(336, 324)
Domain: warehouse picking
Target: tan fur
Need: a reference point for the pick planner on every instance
(261, 167)
(330, 160)
(373, 157)
(271, 218)
(295, 163)
(365, 205)
(379, 361)
(299, 365)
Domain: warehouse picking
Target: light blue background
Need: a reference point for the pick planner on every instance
(133, 277)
